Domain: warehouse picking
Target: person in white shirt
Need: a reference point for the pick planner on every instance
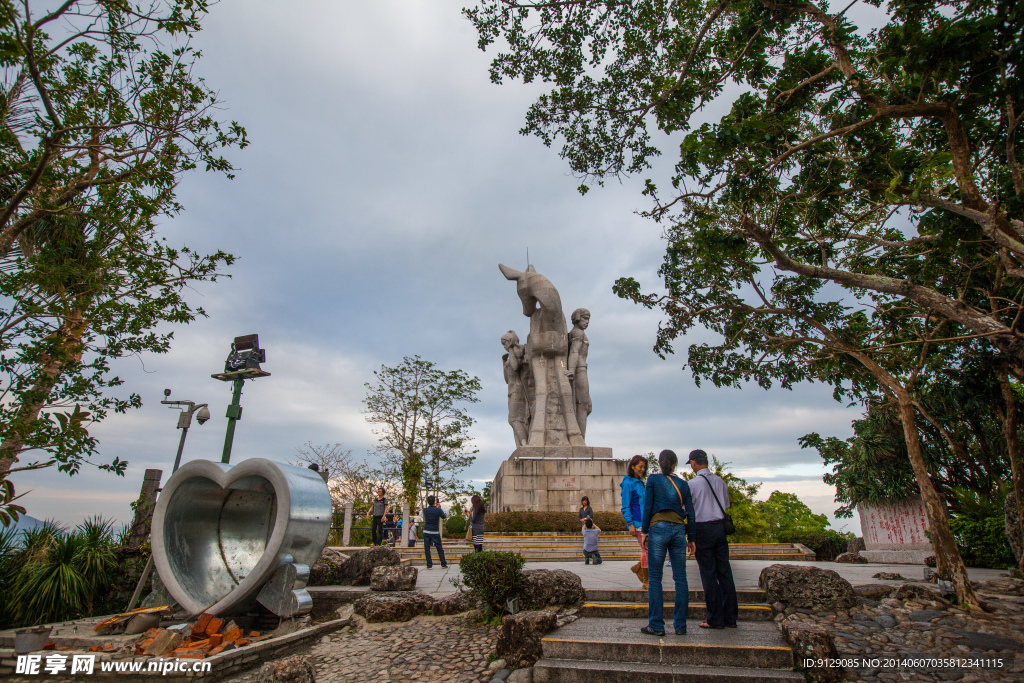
(710, 545)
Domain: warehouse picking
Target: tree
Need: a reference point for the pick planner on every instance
(837, 146)
(421, 424)
(348, 479)
(100, 115)
(785, 514)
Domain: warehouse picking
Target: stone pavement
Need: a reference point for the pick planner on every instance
(424, 650)
(616, 574)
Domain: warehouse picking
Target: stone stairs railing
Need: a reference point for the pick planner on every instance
(605, 645)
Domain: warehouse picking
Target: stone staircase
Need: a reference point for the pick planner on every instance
(605, 645)
(613, 546)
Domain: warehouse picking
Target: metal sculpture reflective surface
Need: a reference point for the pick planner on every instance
(226, 537)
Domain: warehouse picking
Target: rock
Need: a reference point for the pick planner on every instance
(930, 561)
(163, 642)
(297, 669)
(496, 665)
(1013, 532)
(501, 675)
(851, 558)
(453, 603)
(391, 578)
(378, 607)
(361, 563)
(550, 588)
(874, 591)
(988, 641)
(855, 545)
(519, 638)
(912, 591)
(1005, 585)
(811, 641)
(885, 620)
(889, 576)
(521, 676)
(141, 623)
(329, 570)
(926, 615)
(807, 587)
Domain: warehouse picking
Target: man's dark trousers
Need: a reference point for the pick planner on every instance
(377, 530)
(716, 573)
(433, 539)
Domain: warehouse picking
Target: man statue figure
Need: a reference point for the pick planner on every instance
(515, 368)
(577, 367)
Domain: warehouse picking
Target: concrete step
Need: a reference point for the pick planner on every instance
(753, 645)
(743, 596)
(696, 610)
(418, 559)
(590, 671)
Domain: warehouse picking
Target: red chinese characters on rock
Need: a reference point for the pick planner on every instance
(896, 526)
(563, 484)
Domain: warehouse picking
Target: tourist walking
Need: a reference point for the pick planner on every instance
(432, 516)
(585, 509)
(590, 533)
(667, 524)
(413, 526)
(378, 509)
(631, 493)
(710, 545)
(476, 522)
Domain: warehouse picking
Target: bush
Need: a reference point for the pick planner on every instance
(828, 544)
(982, 542)
(492, 576)
(561, 522)
(455, 526)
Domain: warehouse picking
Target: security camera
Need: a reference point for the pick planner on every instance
(203, 414)
(167, 392)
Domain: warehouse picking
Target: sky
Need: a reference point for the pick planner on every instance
(385, 181)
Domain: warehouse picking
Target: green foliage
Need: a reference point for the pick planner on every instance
(493, 577)
(979, 526)
(98, 123)
(828, 544)
(785, 515)
(455, 525)
(421, 425)
(537, 522)
(49, 574)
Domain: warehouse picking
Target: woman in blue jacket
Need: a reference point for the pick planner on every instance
(631, 493)
(668, 524)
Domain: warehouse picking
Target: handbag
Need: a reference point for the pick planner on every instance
(469, 533)
(730, 528)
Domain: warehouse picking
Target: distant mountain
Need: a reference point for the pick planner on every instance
(27, 523)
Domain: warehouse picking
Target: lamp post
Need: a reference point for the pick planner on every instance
(202, 413)
(243, 363)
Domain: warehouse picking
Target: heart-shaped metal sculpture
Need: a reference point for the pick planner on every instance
(228, 536)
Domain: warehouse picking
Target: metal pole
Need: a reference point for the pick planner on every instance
(234, 414)
(181, 447)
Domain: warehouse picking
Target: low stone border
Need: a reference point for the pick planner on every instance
(224, 665)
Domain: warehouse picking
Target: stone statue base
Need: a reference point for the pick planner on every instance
(554, 478)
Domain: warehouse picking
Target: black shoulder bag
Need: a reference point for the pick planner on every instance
(730, 528)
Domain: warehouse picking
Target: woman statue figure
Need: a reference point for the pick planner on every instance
(577, 367)
(515, 368)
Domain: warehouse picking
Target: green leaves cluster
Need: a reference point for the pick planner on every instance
(421, 424)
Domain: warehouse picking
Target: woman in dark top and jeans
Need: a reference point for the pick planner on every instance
(585, 509)
(476, 520)
(667, 525)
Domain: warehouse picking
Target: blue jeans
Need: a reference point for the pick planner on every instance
(433, 539)
(668, 539)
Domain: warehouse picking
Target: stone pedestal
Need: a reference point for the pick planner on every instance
(554, 478)
(895, 533)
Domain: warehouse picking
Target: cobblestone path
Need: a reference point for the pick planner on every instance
(426, 649)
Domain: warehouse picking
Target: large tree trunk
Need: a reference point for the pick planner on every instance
(949, 564)
(67, 345)
(1013, 450)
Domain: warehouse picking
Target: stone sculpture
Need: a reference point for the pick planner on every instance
(577, 372)
(551, 401)
(516, 376)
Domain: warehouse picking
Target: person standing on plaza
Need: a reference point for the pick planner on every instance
(476, 522)
(710, 545)
(432, 516)
(631, 493)
(585, 509)
(591, 532)
(378, 509)
(667, 524)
